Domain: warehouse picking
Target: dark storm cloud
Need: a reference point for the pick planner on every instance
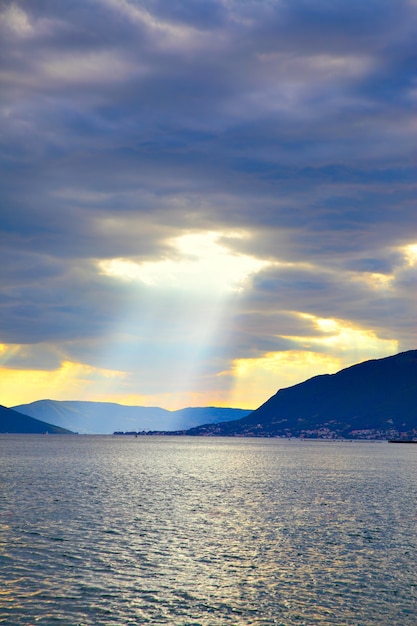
(127, 123)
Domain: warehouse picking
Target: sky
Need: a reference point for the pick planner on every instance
(203, 202)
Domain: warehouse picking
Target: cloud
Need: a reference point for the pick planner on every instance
(332, 345)
(202, 265)
(16, 20)
(136, 138)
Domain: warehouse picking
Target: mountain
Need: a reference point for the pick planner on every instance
(108, 417)
(372, 400)
(15, 422)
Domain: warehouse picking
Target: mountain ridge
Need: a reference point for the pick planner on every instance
(375, 399)
(14, 422)
(108, 417)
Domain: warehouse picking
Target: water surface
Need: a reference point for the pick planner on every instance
(206, 531)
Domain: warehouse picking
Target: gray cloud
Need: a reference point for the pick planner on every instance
(125, 124)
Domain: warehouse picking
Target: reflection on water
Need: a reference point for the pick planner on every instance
(194, 531)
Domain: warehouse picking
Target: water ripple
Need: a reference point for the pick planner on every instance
(198, 532)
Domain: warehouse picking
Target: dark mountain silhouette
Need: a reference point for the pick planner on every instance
(14, 422)
(374, 400)
(108, 417)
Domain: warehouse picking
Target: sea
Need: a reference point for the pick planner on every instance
(194, 531)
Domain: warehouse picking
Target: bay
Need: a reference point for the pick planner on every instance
(206, 531)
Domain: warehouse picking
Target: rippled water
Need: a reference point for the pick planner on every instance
(194, 531)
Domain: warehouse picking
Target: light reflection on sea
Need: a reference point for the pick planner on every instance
(200, 531)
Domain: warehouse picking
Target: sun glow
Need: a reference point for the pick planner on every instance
(332, 345)
(376, 280)
(198, 262)
(345, 338)
(256, 380)
(69, 381)
(410, 253)
(186, 300)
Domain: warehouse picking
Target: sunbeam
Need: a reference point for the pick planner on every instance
(181, 315)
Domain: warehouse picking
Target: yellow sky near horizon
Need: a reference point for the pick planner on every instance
(252, 380)
(331, 345)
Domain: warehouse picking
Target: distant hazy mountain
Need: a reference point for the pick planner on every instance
(106, 417)
(374, 400)
(15, 422)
